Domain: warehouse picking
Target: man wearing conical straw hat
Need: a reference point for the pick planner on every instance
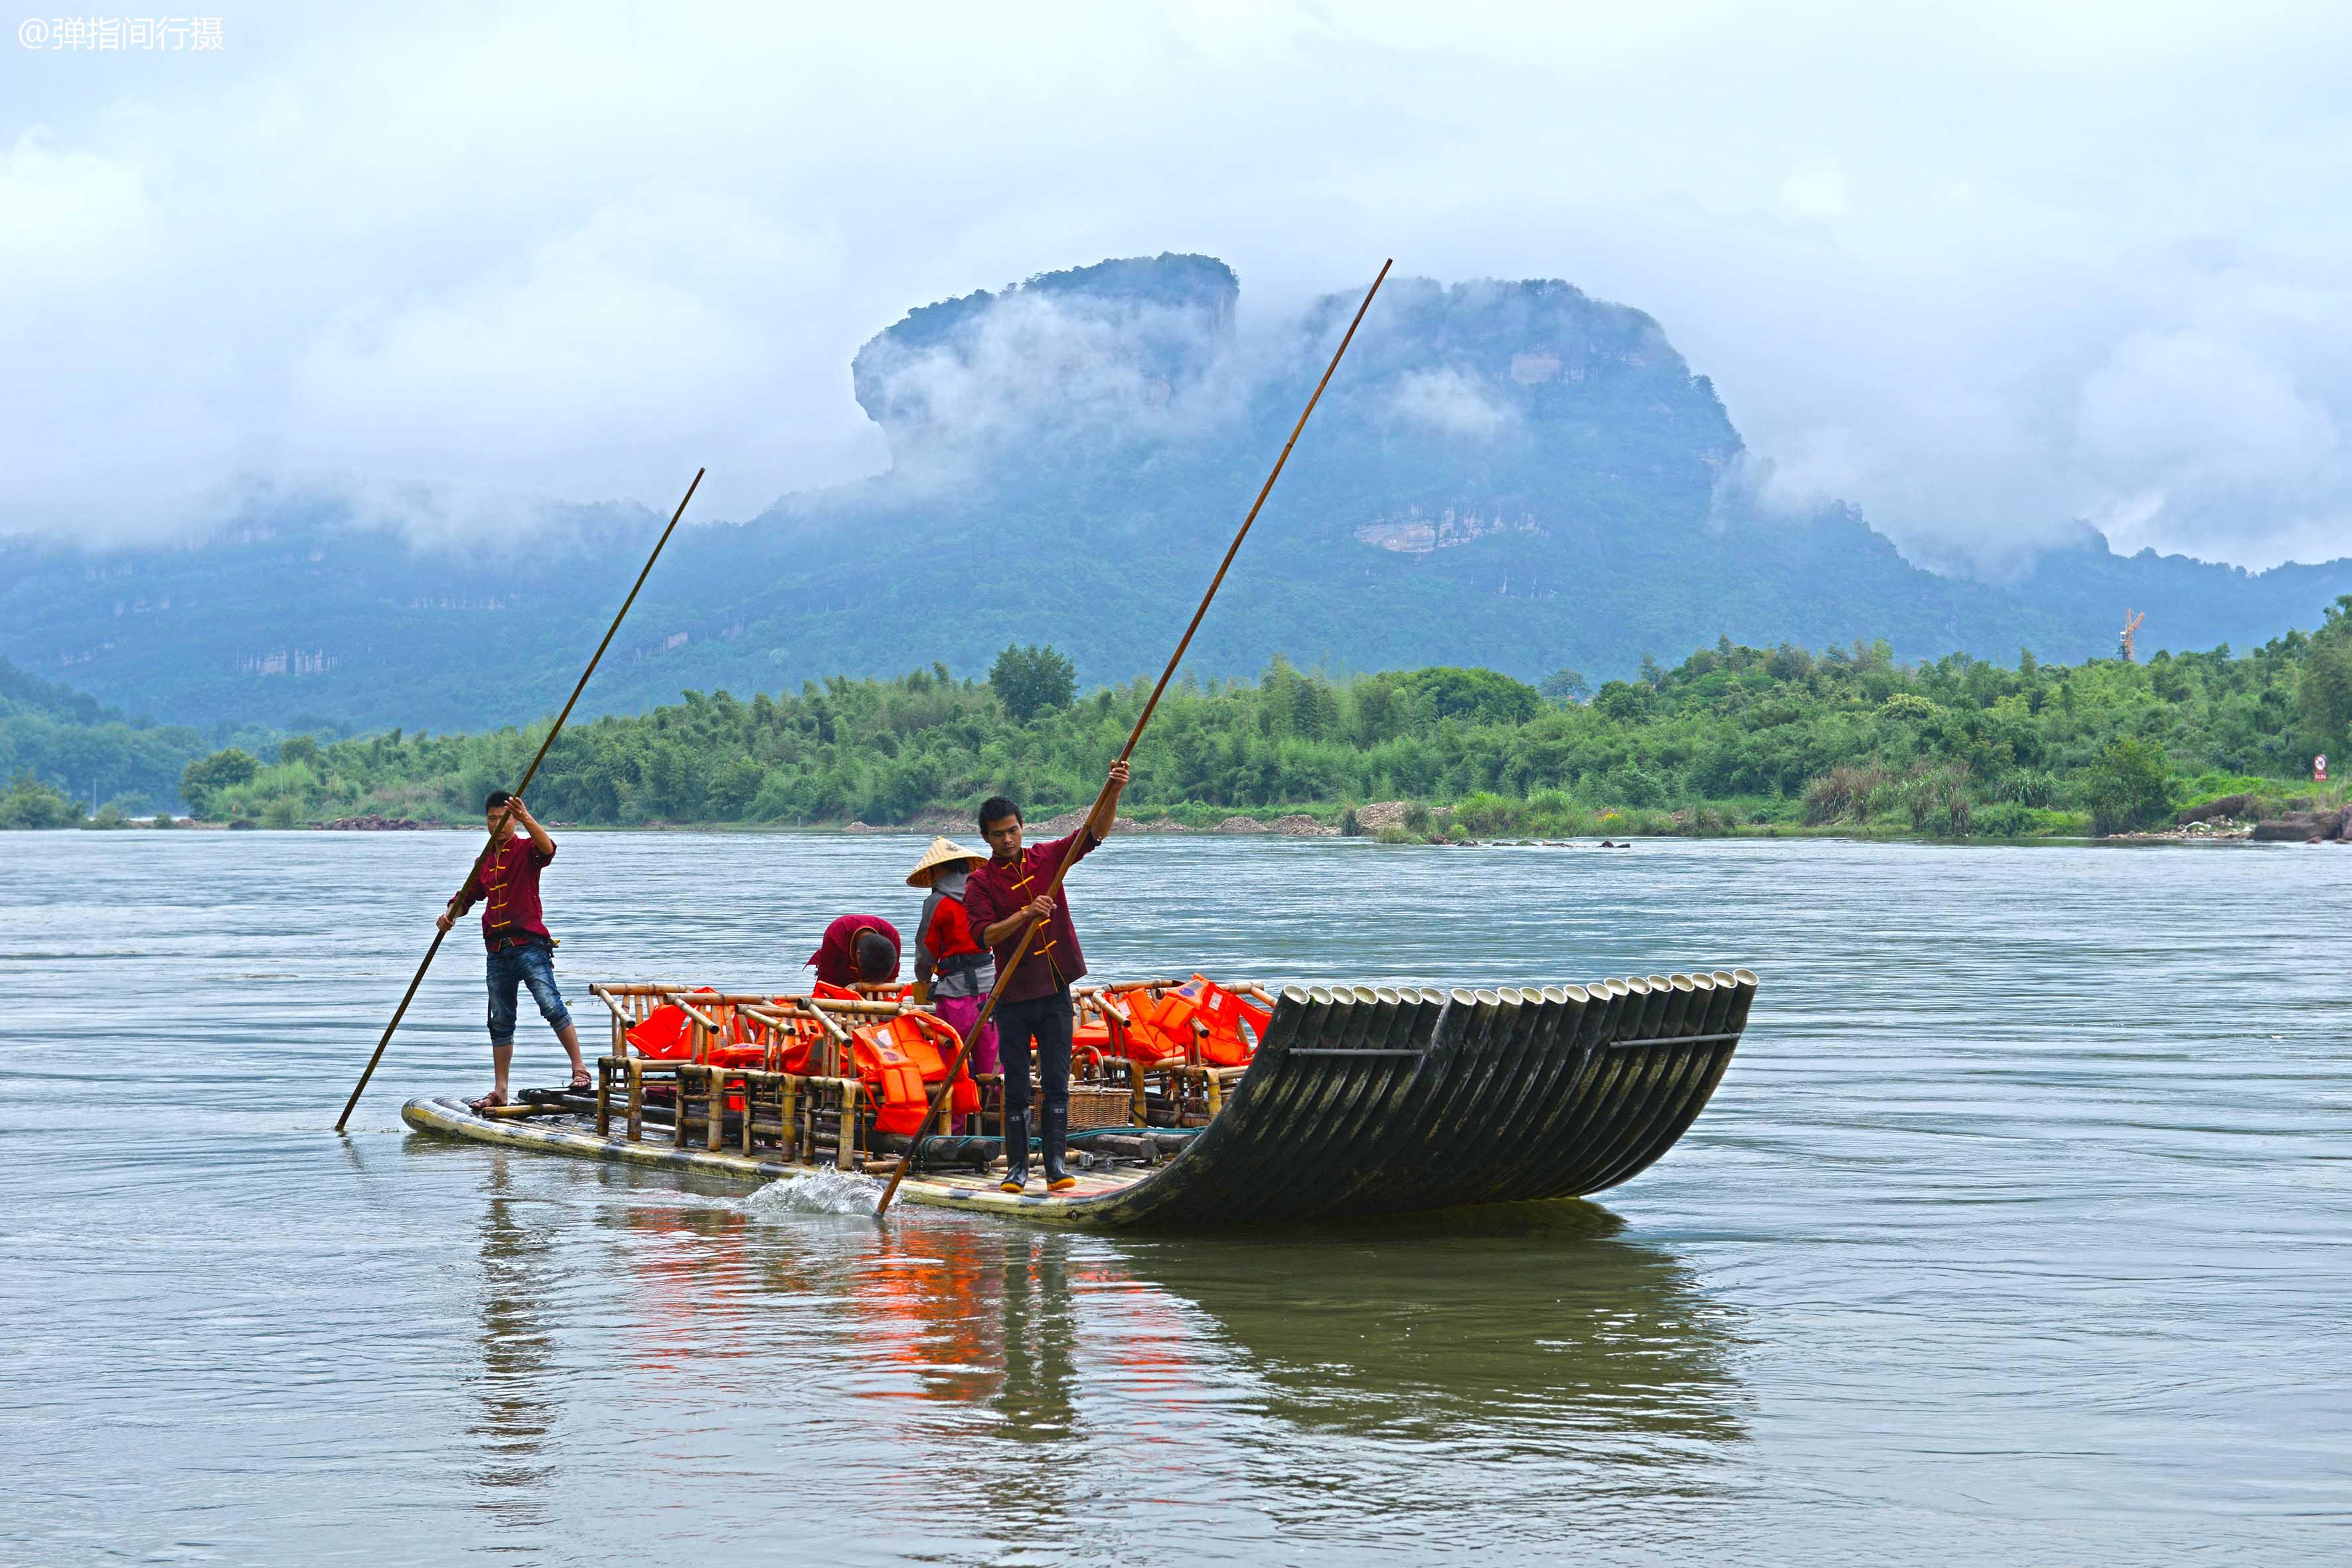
(953, 970)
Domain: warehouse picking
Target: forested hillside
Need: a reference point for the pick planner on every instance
(67, 740)
(1510, 475)
(1732, 736)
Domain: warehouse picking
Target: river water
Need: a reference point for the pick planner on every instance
(2017, 1232)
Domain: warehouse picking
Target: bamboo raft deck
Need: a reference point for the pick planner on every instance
(1360, 1101)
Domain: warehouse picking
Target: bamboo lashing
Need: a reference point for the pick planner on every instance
(498, 828)
(1005, 973)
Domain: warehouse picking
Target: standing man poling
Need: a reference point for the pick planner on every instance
(515, 931)
(1001, 899)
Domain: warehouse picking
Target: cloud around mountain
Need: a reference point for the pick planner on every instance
(1977, 276)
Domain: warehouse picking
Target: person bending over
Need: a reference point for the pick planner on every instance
(857, 947)
(505, 883)
(1002, 897)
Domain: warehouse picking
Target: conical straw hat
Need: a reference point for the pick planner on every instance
(942, 852)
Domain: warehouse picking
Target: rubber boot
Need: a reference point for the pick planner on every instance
(1016, 1153)
(1056, 1119)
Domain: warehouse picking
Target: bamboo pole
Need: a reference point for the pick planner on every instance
(498, 828)
(1102, 799)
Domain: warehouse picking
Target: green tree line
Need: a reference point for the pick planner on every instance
(1730, 737)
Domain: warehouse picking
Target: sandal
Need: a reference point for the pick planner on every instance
(581, 1083)
(491, 1101)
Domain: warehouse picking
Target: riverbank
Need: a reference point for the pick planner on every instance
(1442, 827)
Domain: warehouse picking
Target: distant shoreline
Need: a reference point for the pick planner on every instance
(2236, 834)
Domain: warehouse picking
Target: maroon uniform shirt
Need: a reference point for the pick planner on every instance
(995, 889)
(508, 881)
(837, 956)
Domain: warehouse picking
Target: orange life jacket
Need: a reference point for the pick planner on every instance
(666, 1034)
(1162, 1028)
(898, 1059)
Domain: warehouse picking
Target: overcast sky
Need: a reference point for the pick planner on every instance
(1981, 269)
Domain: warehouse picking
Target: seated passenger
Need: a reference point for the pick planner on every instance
(857, 947)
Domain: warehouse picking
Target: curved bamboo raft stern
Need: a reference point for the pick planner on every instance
(1360, 1100)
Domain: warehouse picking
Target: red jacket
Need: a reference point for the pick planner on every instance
(993, 891)
(509, 881)
(837, 956)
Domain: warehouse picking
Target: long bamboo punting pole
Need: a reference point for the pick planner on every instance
(1020, 951)
(498, 829)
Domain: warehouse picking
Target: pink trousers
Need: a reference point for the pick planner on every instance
(957, 1013)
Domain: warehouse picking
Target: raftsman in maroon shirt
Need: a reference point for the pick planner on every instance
(509, 881)
(995, 890)
(837, 956)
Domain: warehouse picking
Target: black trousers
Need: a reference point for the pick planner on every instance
(1046, 1020)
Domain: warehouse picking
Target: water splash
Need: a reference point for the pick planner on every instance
(819, 1190)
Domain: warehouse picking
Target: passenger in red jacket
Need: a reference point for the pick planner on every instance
(857, 947)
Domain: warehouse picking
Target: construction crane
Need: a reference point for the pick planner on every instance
(2131, 624)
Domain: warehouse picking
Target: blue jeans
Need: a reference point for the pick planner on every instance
(527, 964)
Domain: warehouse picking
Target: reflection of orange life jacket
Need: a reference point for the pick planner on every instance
(1162, 1029)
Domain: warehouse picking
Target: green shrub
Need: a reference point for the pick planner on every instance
(1937, 801)
(281, 813)
(2127, 787)
(1486, 812)
(209, 776)
(30, 804)
(2028, 786)
(1842, 794)
(2005, 819)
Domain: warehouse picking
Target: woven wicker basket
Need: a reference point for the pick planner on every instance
(1091, 1106)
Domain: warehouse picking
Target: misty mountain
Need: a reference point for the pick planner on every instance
(1509, 474)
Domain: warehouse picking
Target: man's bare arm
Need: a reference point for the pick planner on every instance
(1106, 813)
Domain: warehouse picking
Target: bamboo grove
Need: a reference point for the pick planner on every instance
(1729, 737)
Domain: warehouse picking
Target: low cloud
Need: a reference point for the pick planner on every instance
(2044, 267)
(1029, 367)
(2181, 434)
(1820, 467)
(1451, 402)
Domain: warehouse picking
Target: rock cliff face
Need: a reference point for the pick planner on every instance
(1525, 424)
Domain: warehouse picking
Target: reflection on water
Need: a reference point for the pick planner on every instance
(2017, 1233)
(1532, 1330)
(513, 1386)
(1527, 1324)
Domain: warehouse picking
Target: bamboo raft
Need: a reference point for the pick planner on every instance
(1357, 1100)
